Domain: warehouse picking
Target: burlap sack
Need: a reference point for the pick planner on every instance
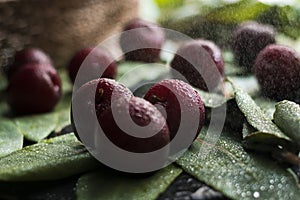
(60, 27)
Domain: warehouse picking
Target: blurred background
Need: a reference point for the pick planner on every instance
(62, 27)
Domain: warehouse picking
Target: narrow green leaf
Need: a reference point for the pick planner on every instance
(111, 185)
(237, 173)
(51, 159)
(287, 117)
(10, 138)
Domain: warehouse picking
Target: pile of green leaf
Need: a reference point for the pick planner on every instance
(229, 168)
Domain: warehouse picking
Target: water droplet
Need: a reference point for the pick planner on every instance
(262, 188)
(243, 194)
(256, 195)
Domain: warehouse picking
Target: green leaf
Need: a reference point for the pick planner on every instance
(237, 12)
(111, 185)
(287, 117)
(51, 159)
(10, 138)
(37, 127)
(255, 116)
(237, 173)
(125, 67)
(264, 142)
(167, 4)
(266, 105)
(135, 74)
(211, 100)
(62, 111)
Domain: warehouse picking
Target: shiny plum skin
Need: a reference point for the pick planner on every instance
(248, 40)
(102, 90)
(277, 69)
(106, 89)
(97, 55)
(199, 57)
(34, 88)
(144, 43)
(166, 94)
(142, 113)
(26, 56)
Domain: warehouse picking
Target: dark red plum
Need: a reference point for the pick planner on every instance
(144, 42)
(248, 40)
(277, 69)
(34, 88)
(198, 59)
(27, 56)
(167, 93)
(95, 56)
(106, 90)
(142, 113)
(100, 91)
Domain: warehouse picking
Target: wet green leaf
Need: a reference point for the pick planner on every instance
(111, 185)
(247, 129)
(10, 138)
(266, 105)
(263, 141)
(287, 117)
(255, 116)
(238, 174)
(51, 159)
